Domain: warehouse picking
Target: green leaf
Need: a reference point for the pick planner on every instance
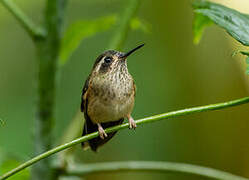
(200, 23)
(247, 64)
(8, 162)
(247, 60)
(81, 30)
(138, 24)
(246, 53)
(234, 22)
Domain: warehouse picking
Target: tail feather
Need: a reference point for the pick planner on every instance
(89, 127)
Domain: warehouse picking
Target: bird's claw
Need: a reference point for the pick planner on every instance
(132, 123)
(102, 133)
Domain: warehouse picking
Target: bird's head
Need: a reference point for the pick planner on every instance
(112, 61)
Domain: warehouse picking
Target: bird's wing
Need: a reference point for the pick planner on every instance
(84, 94)
(134, 88)
(84, 103)
(89, 126)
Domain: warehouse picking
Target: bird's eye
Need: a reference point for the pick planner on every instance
(108, 59)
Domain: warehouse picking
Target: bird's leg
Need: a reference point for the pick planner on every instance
(102, 133)
(132, 123)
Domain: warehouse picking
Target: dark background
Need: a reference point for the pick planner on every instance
(170, 72)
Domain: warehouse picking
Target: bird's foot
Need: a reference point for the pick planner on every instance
(102, 133)
(132, 123)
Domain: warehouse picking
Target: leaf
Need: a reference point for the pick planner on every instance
(8, 162)
(81, 30)
(138, 24)
(247, 65)
(247, 60)
(246, 53)
(200, 23)
(234, 22)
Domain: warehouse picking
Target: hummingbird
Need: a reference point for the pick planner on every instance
(108, 96)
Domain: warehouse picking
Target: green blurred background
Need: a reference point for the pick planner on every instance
(170, 73)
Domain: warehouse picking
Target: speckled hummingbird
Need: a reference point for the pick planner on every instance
(108, 96)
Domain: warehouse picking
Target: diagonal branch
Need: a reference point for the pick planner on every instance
(155, 166)
(126, 125)
(27, 24)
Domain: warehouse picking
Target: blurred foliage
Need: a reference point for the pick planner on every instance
(234, 22)
(1, 122)
(166, 80)
(7, 163)
(200, 23)
(82, 29)
(247, 60)
(137, 24)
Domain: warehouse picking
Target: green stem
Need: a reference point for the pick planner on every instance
(47, 53)
(126, 125)
(122, 27)
(28, 25)
(164, 167)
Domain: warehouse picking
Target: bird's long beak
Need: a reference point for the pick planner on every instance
(130, 52)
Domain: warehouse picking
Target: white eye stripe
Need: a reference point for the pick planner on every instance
(100, 63)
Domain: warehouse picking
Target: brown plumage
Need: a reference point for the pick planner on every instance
(108, 96)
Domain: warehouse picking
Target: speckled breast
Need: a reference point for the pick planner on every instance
(111, 100)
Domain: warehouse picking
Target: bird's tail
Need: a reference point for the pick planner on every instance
(94, 143)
